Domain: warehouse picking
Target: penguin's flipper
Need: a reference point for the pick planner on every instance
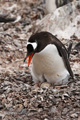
(66, 61)
(63, 53)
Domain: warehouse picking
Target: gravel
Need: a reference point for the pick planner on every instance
(19, 98)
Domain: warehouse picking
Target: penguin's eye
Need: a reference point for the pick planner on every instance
(32, 45)
(29, 48)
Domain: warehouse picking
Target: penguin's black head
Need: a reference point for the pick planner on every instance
(31, 49)
(36, 43)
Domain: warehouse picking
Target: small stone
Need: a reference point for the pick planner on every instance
(46, 119)
(45, 85)
(25, 103)
(20, 107)
(1, 107)
(57, 118)
(24, 111)
(0, 117)
(6, 83)
(65, 95)
(74, 115)
(53, 109)
(1, 91)
(79, 118)
(78, 82)
(8, 106)
(19, 118)
(31, 114)
(65, 110)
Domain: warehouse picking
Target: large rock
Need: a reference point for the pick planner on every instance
(64, 22)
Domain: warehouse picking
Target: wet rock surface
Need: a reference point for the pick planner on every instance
(19, 98)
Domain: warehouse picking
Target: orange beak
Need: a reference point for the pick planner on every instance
(29, 59)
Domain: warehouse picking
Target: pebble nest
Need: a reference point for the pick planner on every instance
(19, 98)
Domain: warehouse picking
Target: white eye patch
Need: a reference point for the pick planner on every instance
(34, 44)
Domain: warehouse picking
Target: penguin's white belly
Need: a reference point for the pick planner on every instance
(49, 64)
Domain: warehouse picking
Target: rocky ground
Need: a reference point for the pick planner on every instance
(19, 98)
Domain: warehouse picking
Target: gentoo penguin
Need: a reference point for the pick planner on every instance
(49, 59)
(52, 5)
